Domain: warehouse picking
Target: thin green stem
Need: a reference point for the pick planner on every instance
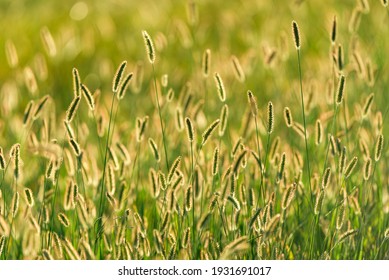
(102, 182)
(193, 201)
(160, 119)
(305, 126)
(259, 155)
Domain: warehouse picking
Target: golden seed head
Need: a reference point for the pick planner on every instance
(29, 197)
(237, 68)
(367, 169)
(253, 103)
(63, 219)
(2, 243)
(288, 196)
(15, 204)
(326, 178)
(223, 119)
(288, 117)
(154, 149)
(11, 55)
(206, 63)
(319, 201)
(342, 160)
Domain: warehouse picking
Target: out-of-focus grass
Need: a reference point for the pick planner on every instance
(95, 36)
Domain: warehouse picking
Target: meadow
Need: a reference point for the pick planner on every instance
(194, 130)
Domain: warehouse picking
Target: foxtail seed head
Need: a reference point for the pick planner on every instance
(118, 76)
(164, 80)
(76, 83)
(207, 133)
(319, 201)
(89, 97)
(188, 198)
(40, 106)
(63, 219)
(340, 57)
(342, 160)
(378, 147)
(281, 166)
(2, 160)
(220, 87)
(288, 117)
(319, 134)
(154, 149)
(215, 163)
(288, 196)
(333, 31)
(253, 103)
(29, 197)
(186, 238)
(238, 71)
(340, 216)
(340, 93)
(367, 106)
(350, 167)
(270, 117)
(347, 234)
(48, 42)
(15, 156)
(206, 63)
(173, 169)
(27, 112)
(367, 169)
(11, 55)
(223, 120)
(15, 204)
(296, 34)
(326, 178)
(149, 46)
(2, 244)
(189, 129)
(162, 181)
(333, 145)
(71, 112)
(124, 85)
(235, 203)
(75, 146)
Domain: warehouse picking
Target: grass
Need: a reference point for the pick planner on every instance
(263, 187)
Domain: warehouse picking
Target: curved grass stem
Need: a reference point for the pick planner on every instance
(305, 128)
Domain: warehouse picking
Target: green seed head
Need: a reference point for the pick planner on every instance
(270, 117)
(149, 46)
(378, 148)
(296, 34)
(340, 93)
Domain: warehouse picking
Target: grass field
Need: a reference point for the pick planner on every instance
(194, 129)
